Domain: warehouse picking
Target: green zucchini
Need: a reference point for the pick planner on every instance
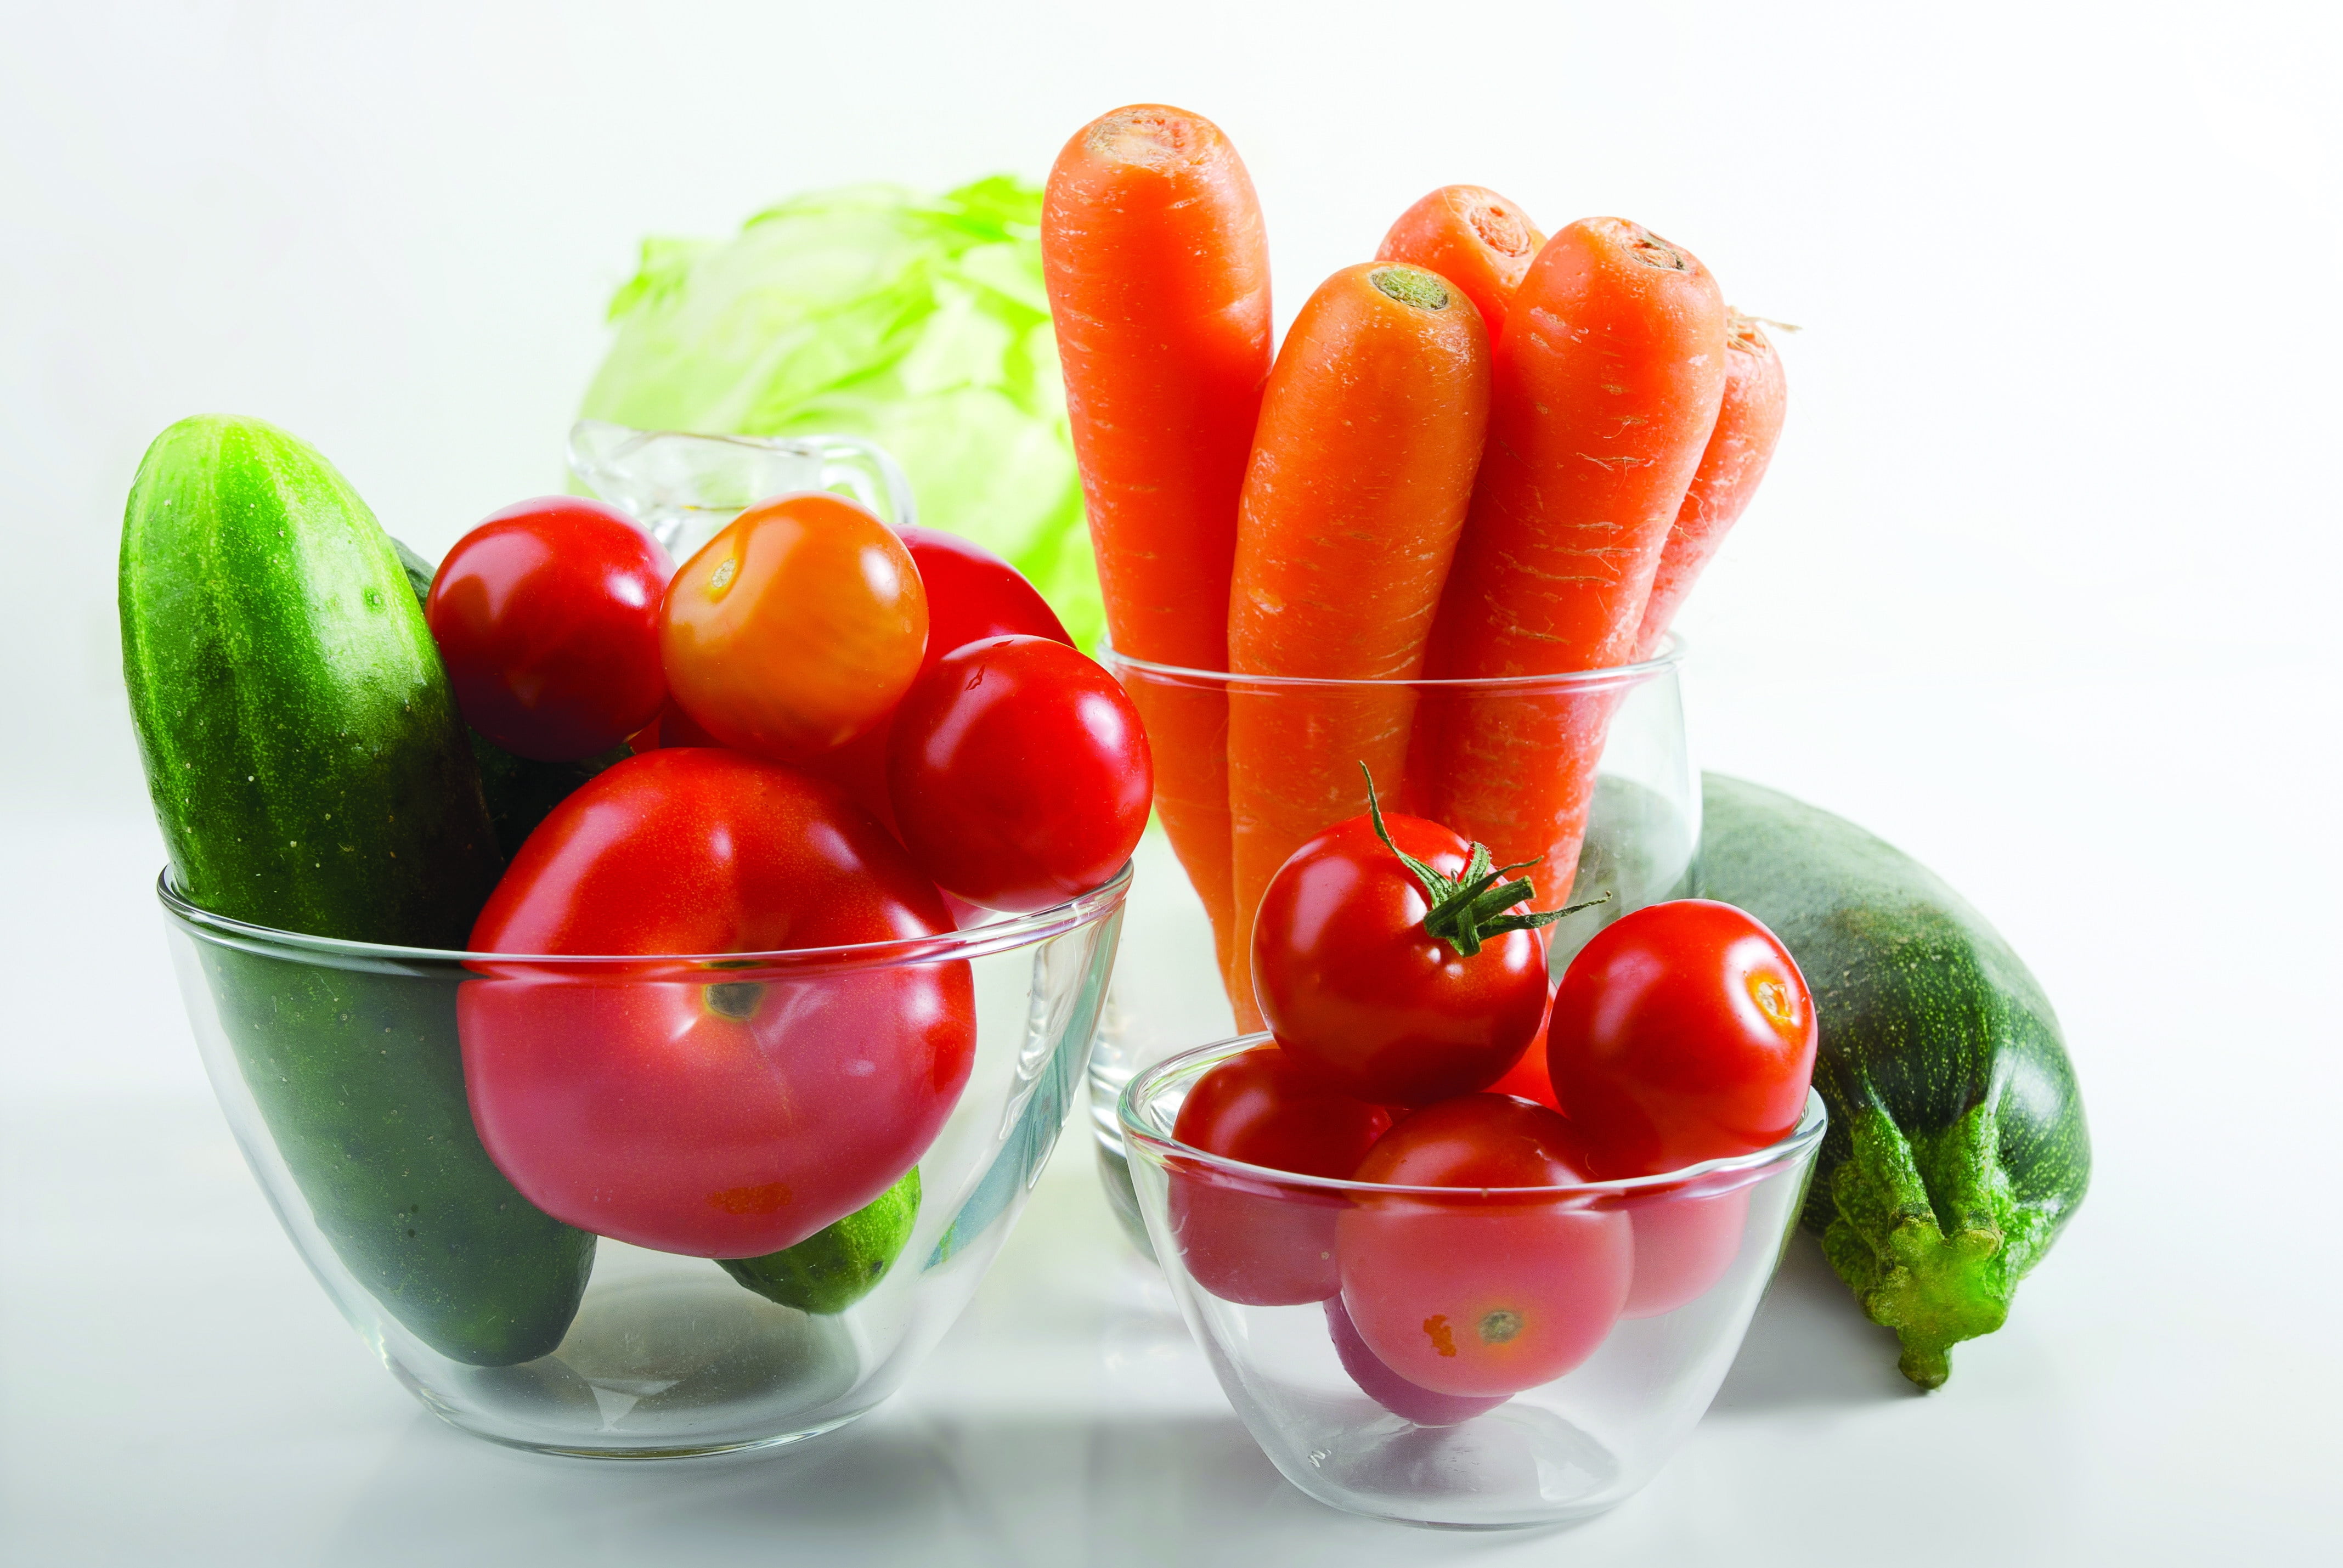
(1957, 1149)
(309, 773)
(520, 791)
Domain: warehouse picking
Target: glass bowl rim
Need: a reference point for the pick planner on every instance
(1813, 1121)
(1671, 653)
(976, 942)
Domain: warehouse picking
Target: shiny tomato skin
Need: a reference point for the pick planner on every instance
(1020, 773)
(1257, 1241)
(796, 629)
(710, 1112)
(1683, 1245)
(1481, 1295)
(972, 595)
(1351, 982)
(547, 617)
(1683, 1033)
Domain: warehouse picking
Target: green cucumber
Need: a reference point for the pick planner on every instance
(520, 791)
(309, 773)
(1957, 1149)
(839, 1265)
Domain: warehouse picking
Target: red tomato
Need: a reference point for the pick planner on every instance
(1480, 1294)
(1350, 981)
(1527, 1079)
(796, 627)
(1410, 1401)
(1262, 1242)
(972, 594)
(1020, 773)
(1683, 1245)
(547, 616)
(1682, 1032)
(724, 1113)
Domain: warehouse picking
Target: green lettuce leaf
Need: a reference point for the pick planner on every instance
(917, 323)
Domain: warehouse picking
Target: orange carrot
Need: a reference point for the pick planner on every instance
(1604, 386)
(1471, 236)
(1158, 271)
(1739, 448)
(1361, 471)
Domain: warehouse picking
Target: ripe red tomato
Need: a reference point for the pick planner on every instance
(796, 627)
(1682, 1032)
(1351, 981)
(716, 1112)
(1262, 1242)
(972, 594)
(1410, 1401)
(1683, 1245)
(547, 616)
(1480, 1293)
(1020, 773)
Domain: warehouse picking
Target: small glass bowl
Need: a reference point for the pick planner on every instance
(1642, 829)
(1341, 1318)
(341, 1067)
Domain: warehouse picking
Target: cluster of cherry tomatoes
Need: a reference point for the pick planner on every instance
(1418, 1045)
(839, 734)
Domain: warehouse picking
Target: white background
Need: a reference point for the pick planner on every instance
(2042, 587)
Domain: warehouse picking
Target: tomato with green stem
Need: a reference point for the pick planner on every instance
(1395, 961)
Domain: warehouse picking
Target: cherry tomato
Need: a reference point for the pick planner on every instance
(1410, 1401)
(796, 627)
(1351, 981)
(547, 616)
(1262, 1242)
(1020, 773)
(1683, 1244)
(972, 594)
(725, 1112)
(1683, 1033)
(1480, 1293)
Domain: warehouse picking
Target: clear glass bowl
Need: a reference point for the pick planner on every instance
(1642, 829)
(1632, 1297)
(341, 1067)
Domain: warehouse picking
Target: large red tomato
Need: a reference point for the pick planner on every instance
(1255, 1239)
(1352, 980)
(720, 1112)
(1481, 1292)
(547, 616)
(1020, 773)
(1682, 1032)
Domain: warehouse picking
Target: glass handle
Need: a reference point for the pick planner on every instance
(866, 472)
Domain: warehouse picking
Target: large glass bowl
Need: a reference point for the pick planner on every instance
(341, 1069)
(1332, 1312)
(1641, 827)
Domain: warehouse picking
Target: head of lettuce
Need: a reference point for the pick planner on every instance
(917, 323)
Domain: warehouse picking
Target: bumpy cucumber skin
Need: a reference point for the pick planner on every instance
(306, 767)
(301, 742)
(1957, 1147)
(839, 1264)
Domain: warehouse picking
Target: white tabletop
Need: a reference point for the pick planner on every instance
(174, 1388)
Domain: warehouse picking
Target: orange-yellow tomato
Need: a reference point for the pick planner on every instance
(796, 629)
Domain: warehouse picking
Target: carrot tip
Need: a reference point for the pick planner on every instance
(1149, 135)
(1411, 286)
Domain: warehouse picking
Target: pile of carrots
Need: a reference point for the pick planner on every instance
(1485, 453)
